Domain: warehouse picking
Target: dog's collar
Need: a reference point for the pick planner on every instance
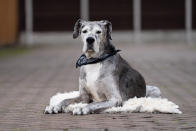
(84, 61)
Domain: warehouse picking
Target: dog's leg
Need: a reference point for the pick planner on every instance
(82, 98)
(61, 107)
(58, 108)
(97, 106)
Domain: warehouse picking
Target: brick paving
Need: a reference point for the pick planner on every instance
(27, 82)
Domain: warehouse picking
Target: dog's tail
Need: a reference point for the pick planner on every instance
(153, 91)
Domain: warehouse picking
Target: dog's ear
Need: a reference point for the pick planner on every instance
(77, 28)
(108, 26)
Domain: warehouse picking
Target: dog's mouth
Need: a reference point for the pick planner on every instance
(90, 50)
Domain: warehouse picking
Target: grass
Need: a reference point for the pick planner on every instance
(12, 51)
(19, 129)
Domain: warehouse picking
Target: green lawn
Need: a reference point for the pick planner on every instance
(12, 51)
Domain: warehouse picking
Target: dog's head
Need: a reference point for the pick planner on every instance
(94, 34)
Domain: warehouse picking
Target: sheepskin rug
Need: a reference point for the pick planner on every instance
(152, 103)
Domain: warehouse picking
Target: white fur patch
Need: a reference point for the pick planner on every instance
(92, 73)
(145, 104)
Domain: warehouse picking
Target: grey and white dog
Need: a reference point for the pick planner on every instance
(106, 83)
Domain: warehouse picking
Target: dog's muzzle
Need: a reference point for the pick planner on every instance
(90, 41)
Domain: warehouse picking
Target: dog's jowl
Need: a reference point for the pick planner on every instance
(106, 79)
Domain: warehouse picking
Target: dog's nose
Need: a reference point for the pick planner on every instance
(90, 40)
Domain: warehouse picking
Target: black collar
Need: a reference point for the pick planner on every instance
(84, 61)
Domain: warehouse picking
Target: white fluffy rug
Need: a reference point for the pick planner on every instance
(152, 103)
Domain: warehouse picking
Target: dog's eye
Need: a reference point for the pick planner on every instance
(98, 32)
(85, 31)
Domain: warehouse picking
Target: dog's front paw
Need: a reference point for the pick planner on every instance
(81, 111)
(52, 109)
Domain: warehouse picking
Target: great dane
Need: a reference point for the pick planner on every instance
(106, 79)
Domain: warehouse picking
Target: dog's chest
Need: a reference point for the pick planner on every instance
(92, 74)
(92, 82)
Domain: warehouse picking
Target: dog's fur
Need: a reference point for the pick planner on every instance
(107, 83)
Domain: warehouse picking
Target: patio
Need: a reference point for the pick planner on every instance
(28, 80)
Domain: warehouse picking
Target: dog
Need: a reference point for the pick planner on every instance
(106, 79)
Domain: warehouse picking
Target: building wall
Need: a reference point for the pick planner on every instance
(50, 15)
(194, 14)
(163, 14)
(120, 13)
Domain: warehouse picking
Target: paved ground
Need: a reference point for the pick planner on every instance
(27, 82)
